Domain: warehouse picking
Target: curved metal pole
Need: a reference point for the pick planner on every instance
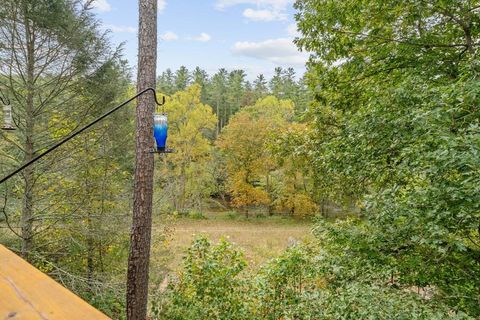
(58, 144)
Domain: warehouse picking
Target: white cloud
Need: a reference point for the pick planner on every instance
(169, 36)
(161, 4)
(102, 5)
(265, 10)
(276, 4)
(292, 30)
(120, 29)
(279, 51)
(203, 37)
(264, 15)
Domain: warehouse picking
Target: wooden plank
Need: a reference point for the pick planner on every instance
(27, 293)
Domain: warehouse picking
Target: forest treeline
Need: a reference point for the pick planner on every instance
(228, 91)
(236, 165)
(385, 123)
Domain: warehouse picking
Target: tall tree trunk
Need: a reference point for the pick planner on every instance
(183, 187)
(138, 259)
(224, 120)
(90, 228)
(218, 121)
(90, 251)
(29, 173)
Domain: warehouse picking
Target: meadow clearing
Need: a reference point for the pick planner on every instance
(259, 238)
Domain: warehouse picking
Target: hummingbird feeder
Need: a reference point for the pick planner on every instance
(7, 113)
(160, 131)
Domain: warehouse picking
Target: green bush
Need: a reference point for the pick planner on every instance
(328, 280)
(194, 214)
(232, 215)
(209, 286)
(280, 286)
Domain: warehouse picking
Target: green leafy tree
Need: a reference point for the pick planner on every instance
(185, 176)
(291, 185)
(210, 286)
(301, 283)
(396, 129)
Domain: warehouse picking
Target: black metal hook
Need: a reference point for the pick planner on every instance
(162, 104)
(154, 96)
(6, 101)
(72, 135)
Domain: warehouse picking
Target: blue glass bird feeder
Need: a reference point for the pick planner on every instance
(160, 130)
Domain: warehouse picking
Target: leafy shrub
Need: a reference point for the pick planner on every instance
(209, 286)
(328, 280)
(232, 215)
(110, 302)
(194, 214)
(282, 283)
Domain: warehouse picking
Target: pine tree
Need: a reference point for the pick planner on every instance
(60, 72)
(165, 82)
(140, 236)
(217, 97)
(182, 79)
(260, 87)
(200, 77)
(235, 92)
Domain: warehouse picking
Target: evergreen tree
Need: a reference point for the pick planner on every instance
(235, 93)
(141, 229)
(182, 79)
(260, 87)
(200, 77)
(62, 73)
(218, 90)
(249, 94)
(276, 83)
(289, 84)
(165, 82)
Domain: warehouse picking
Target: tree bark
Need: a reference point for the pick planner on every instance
(90, 251)
(29, 173)
(138, 260)
(218, 121)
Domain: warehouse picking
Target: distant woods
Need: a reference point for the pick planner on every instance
(229, 151)
(228, 91)
(230, 137)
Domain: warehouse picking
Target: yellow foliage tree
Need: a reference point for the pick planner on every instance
(184, 173)
(292, 188)
(244, 142)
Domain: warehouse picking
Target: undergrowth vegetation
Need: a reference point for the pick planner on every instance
(315, 280)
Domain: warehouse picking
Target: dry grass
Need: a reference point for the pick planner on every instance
(259, 238)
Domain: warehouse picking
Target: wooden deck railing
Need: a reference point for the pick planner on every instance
(27, 294)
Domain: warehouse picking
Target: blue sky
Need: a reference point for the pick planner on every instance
(254, 35)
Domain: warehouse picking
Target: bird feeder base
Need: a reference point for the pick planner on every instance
(162, 150)
(8, 128)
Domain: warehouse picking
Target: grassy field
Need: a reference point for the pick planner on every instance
(259, 238)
